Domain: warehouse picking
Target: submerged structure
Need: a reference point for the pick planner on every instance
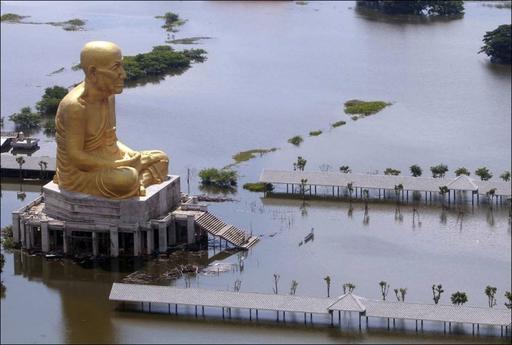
(105, 198)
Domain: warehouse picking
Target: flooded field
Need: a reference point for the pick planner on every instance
(275, 70)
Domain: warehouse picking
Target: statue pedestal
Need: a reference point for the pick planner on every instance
(68, 206)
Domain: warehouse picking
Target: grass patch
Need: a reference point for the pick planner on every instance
(315, 133)
(12, 18)
(296, 140)
(247, 155)
(360, 108)
(188, 40)
(338, 124)
(259, 187)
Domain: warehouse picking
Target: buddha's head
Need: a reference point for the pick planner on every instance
(102, 63)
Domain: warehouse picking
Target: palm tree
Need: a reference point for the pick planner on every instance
(443, 190)
(350, 189)
(20, 160)
(403, 292)
(384, 289)
(505, 176)
(483, 173)
(293, 287)
(43, 165)
(437, 291)
(398, 189)
(459, 298)
(348, 286)
(328, 282)
(237, 285)
(276, 280)
(303, 184)
(508, 296)
(490, 292)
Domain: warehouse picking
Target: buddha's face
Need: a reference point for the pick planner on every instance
(110, 75)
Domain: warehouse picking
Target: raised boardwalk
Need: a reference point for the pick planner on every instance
(230, 233)
(168, 295)
(360, 182)
(30, 169)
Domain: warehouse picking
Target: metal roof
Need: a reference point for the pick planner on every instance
(8, 161)
(317, 305)
(422, 184)
(215, 298)
(462, 182)
(433, 312)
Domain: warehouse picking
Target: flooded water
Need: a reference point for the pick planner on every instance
(275, 70)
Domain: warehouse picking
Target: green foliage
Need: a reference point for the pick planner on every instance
(462, 171)
(490, 292)
(415, 170)
(7, 237)
(296, 140)
(300, 164)
(437, 291)
(345, 169)
(50, 101)
(498, 44)
(160, 61)
(508, 296)
(483, 173)
(439, 170)
(338, 124)
(221, 178)
(75, 22)
(459, 298)
(443, 190)
(259, 187)
(315, 133)
(26, 119)
(250, 154)
(416, 7)
(358, 107)
(391, 171)
(12, 18)
(171, 20)
(49, 127)
(505, 176)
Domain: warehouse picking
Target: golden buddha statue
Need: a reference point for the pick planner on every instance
(90, 158)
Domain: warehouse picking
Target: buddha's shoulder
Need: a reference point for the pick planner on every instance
(72, 102)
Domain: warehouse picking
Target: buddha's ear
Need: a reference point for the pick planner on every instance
(92, 73)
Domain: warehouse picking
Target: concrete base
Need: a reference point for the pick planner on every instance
(77, 207)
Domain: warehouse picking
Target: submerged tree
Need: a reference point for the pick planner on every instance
(416, 7)
(391, 171)
(483, 173)
(276, 280)
(490, 292)
(300, 164)
(384, 289)
(415, 170)
(459, 298)
(505, 176)
(437, 291)
(26, 119)
(237, 285)
(345, 169)
(443, 190)
(293, 287)
(508, 296)
(462, 171)
(350, 189)
(439, 170)
(348, 287)
(400, 297)
(50, 101)
(20, 160)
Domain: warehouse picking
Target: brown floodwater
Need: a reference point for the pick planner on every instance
(275, 70)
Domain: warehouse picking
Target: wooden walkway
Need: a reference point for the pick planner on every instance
(282, 304)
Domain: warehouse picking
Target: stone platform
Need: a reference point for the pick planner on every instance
(68, 206)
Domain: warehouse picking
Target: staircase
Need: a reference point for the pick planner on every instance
(230, 233)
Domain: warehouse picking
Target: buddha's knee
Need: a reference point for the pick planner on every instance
(121, 180)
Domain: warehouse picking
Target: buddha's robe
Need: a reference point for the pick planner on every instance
(100, 143)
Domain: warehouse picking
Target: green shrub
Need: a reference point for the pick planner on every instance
(296, 140)
(315, 133)
(250, 154)
(259, 187)
(26, 119)
(338, 124)
(12, 18)
(50, 101)
(218, 177)
(497, 44)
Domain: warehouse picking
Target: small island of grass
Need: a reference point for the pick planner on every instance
(188, 40)
(359, 108)
(12, 18)
(250, 154)
(296, 140)
(259, 187)
(315, 133)
(338, 124)
(221, 178)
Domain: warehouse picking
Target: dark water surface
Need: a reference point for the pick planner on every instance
(275, 70)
